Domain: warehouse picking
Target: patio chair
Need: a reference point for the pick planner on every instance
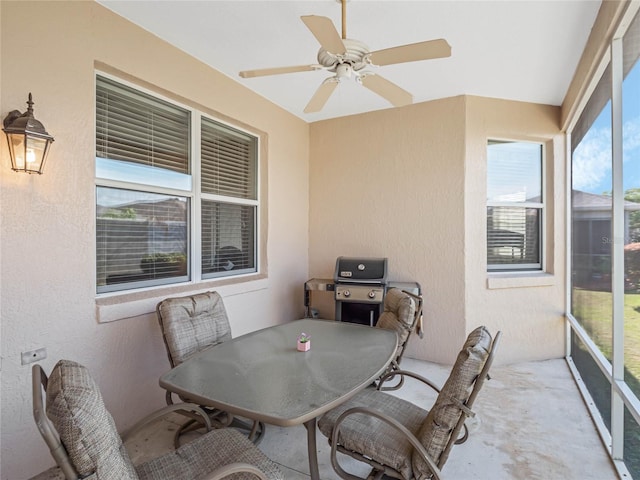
(400, 439)
(84, 442)
(403, 314)
(189, 325)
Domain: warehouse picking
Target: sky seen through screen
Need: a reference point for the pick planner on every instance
(592, 157)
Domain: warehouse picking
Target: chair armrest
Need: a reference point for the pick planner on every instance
(417, 323)
(232, 468)
(391, 422)
(429, 383)
(191, 407)
(407, 373)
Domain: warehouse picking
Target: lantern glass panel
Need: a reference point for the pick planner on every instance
(35, 153)
(17, 150)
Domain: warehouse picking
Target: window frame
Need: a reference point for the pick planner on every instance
(528, 268)
(194, 196)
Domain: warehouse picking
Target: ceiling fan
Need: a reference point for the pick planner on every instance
(349, 58)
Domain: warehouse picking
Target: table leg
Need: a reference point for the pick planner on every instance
(313, 452)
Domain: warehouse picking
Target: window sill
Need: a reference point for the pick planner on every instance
(114, 307)
(500, 280)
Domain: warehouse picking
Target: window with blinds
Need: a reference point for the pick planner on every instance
(145, 193)
(228, 161)
(229, 199)
(514, 206)
(141, 239)
(134, 127)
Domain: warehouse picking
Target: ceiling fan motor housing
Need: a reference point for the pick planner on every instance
(355, 56)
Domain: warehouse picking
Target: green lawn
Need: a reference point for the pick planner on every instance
(593, 310)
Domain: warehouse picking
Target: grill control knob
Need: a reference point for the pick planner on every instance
(372, 294)
(347, 293)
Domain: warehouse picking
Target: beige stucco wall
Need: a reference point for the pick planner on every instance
(527, 308)
(409, 184)
(391, 184)
(47, 243)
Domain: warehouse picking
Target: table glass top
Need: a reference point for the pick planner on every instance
(263, 376)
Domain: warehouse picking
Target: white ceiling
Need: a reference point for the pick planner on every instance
(516, 49)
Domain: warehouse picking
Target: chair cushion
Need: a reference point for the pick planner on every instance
(434, 434)
(192, 323)
(86, 428)
(398, 315)
(205, 454)
(371, 436)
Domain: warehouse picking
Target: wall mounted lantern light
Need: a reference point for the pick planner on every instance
(28, 141)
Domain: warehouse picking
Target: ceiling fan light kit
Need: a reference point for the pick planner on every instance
(348, 58)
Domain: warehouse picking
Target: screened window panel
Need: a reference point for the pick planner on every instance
(598, 285)
(631, 185)
(132, 126)
(513, 237)
(631, 443)
(141, 238)
(631, 46)
(228, 238)
(228, 163)
(594, 380)
(601, 96)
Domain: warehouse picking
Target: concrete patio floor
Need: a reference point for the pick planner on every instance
(531, 423)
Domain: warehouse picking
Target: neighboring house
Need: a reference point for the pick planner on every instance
(591, 237)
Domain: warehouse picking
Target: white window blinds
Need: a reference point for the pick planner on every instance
(228, 161)
(514, 205)
(132, 126)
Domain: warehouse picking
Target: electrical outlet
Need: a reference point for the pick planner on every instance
(34, 356)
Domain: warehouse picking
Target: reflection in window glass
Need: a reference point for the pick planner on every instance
(513, 236)
(514, 172)
(228, 232)
(141, 238)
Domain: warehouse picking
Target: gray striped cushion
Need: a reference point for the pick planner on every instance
(193, 323)
(371, 436)
(205, 454)
(86, 428)
(436, 430)
(399, 310)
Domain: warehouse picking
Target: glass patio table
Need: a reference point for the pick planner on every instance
(262, 375)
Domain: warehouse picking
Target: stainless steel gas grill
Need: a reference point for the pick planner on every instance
(360, 284)
(358, 290)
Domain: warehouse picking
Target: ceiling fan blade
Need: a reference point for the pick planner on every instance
(278, 71)
(326, 33)
(411, 53)
(321, 96)
(386, 89)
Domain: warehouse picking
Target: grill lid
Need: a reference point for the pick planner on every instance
(361, 270)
